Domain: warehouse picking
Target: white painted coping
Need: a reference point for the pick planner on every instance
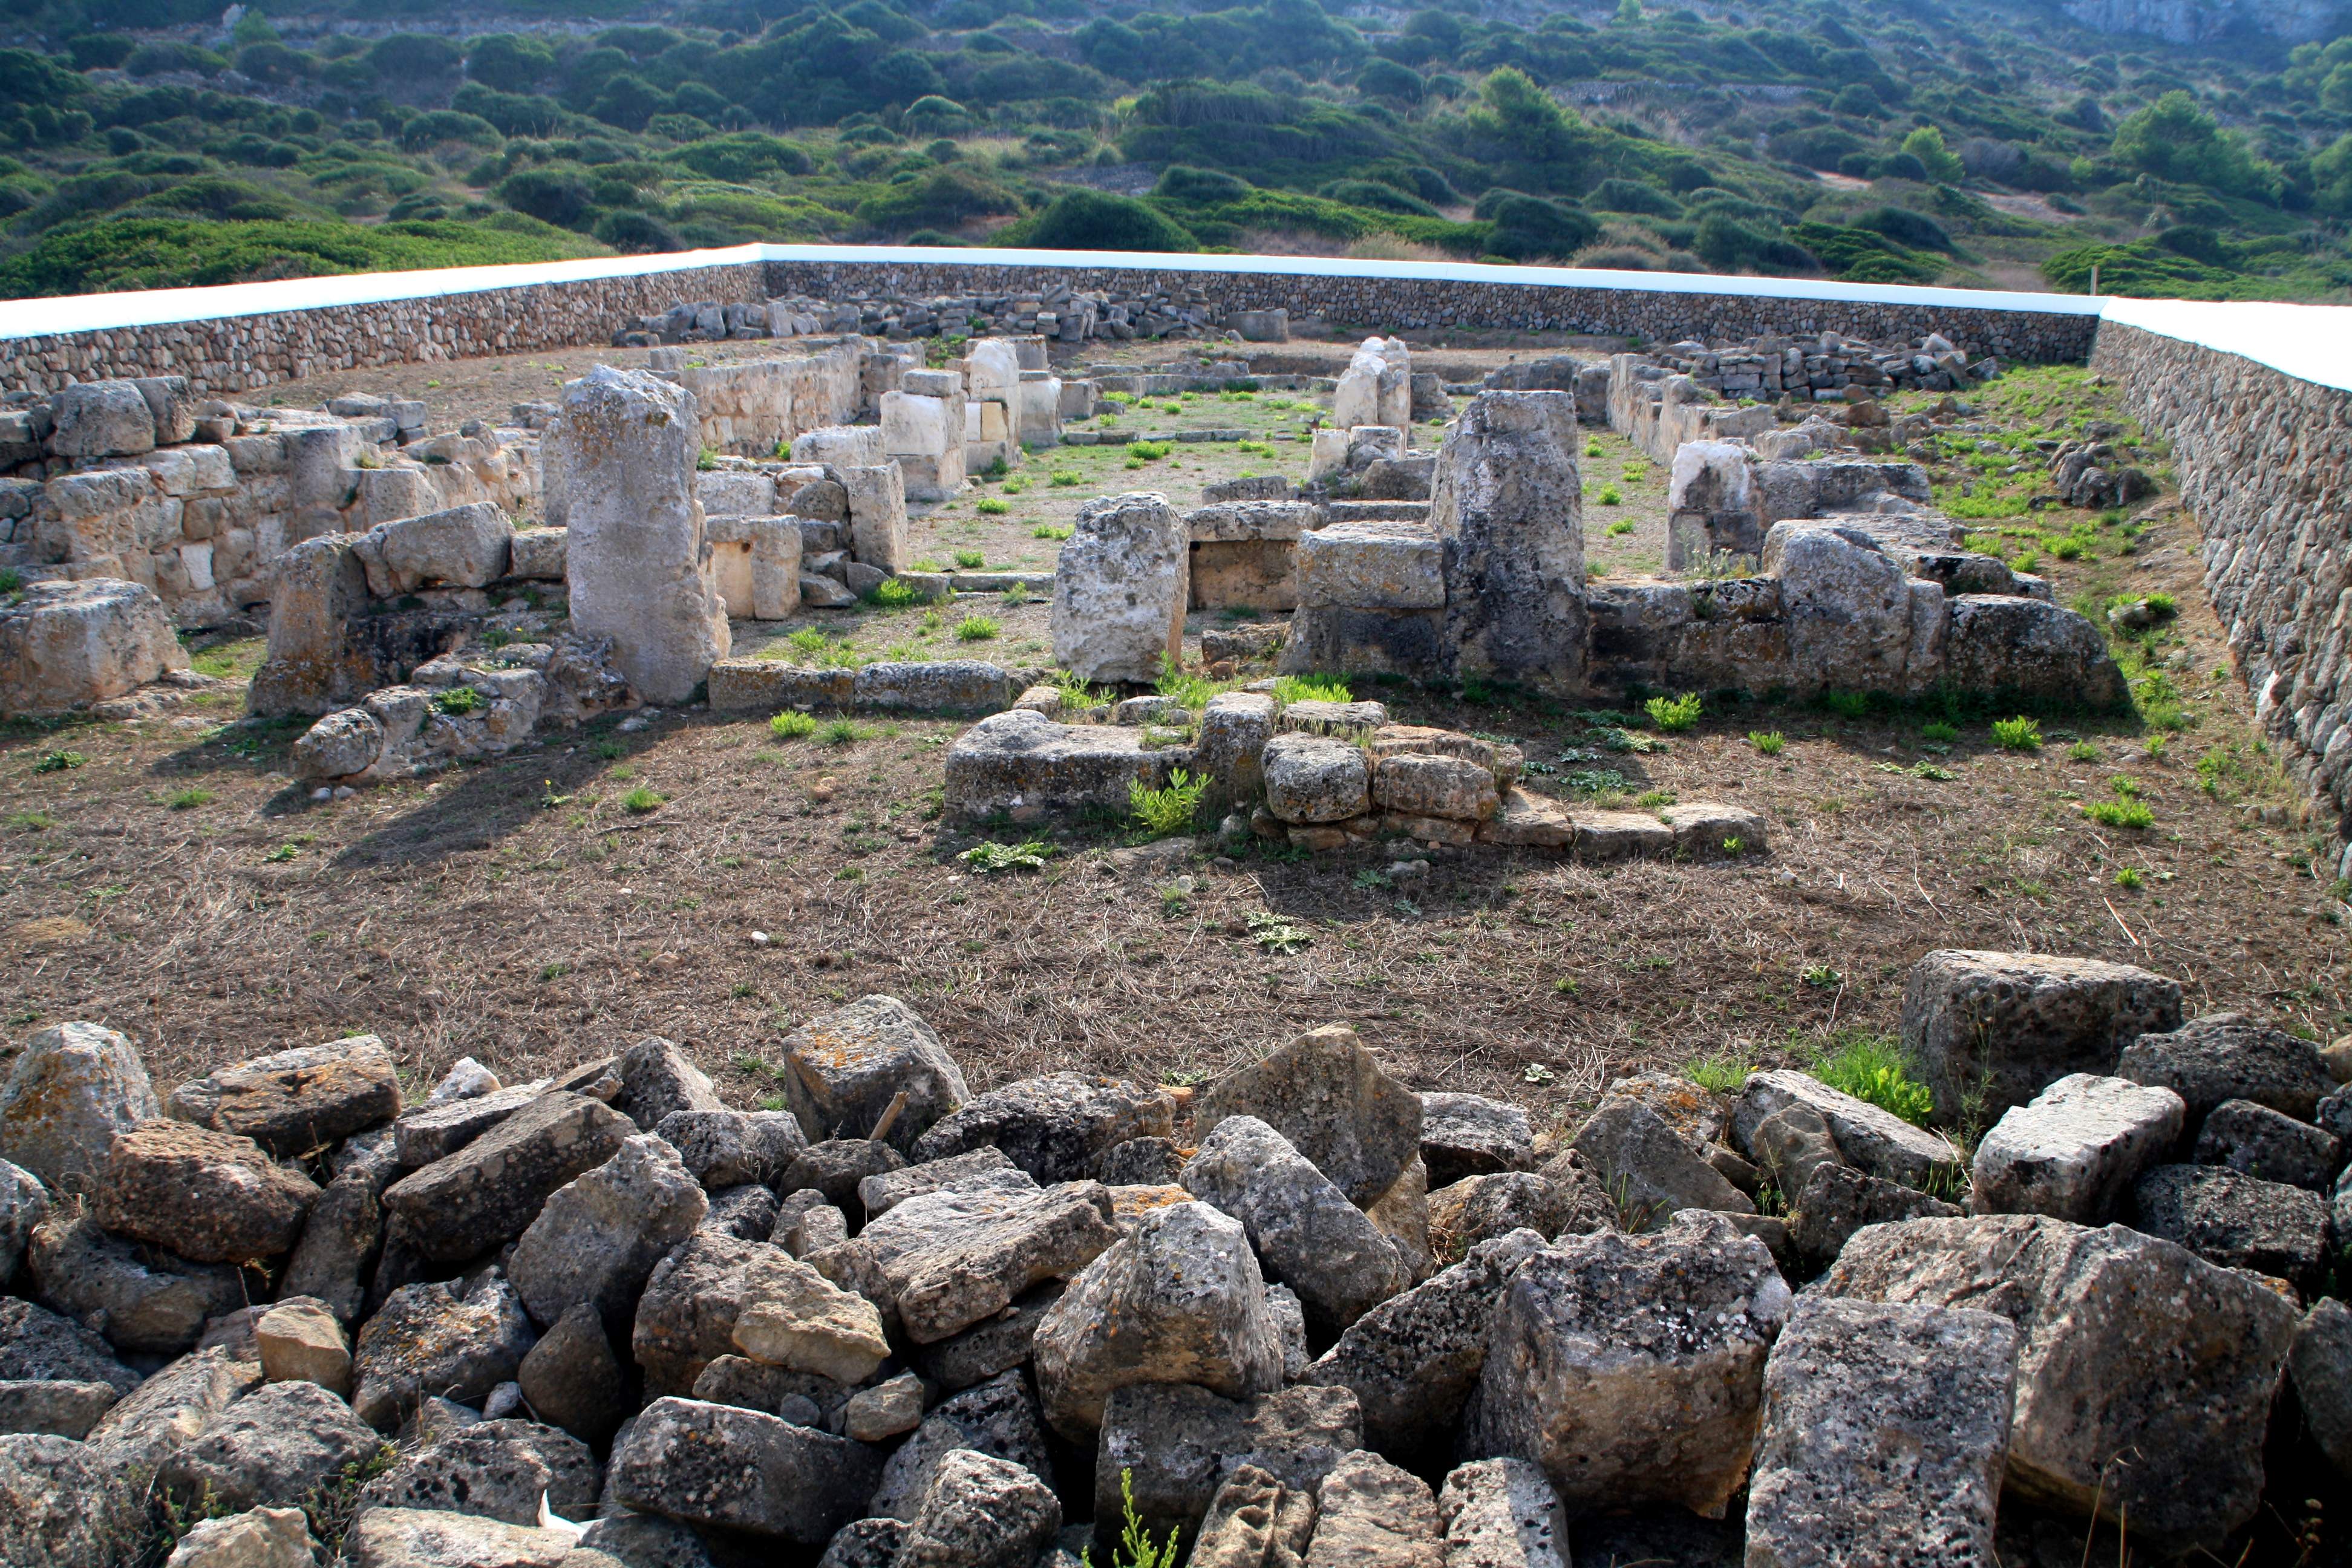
(2313, 343)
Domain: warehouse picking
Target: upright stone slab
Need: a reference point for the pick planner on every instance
(1851, 1386)
(1506, 503)
(2000, 1028)
(1120, 588)
(877, 516)
(313, 666)
(637, 564)
(1711, 505)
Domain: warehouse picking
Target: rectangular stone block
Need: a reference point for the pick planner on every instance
(943, 686)
(2073, 1152)
(1371, 565)
(914, 426)
(763, 686)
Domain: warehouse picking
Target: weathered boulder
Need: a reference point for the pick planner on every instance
(1856, 619)
(173, 1408)
(886, 1410)
(430, 1537)
(59, 1502)
(1647, 1168)
(2073, 1152)
(2320, 1365)
(572, 1378)
(1326, 1094)
(988, 1348)
(1175, 1444)
(274, 1447)
(2225, 1055)
(1712, 506)
(794, 1318)
(645, 1540)
(1120, 586)
(212, 1197)
(985, 1167)
(1054, 1127)
(637, 562)
(141, 1299)
(1480, 1208)
(1994, 1029)
(1470, 1135)
(461, 547)
(866, 1542)
(1416, 785)
(999, 1417)
(66, 644)
(1877, 1140)
(258, 1538)
(493, 1469)
(848, 1067)
(437, 1131)
(342, 1236)
(299, 1340)
(1840, 1199)
(23, 1204)
(837, 1168)
(658, 1080)
(1255, 1521)
(1306, 1233)
(2256, 1141)
(1790, 1144)
(1179, 1299)
(2029, 650)
(435, 1340)
(728, 1148)
(1413, 1361)
(1506, 504)
(340, 745)
(1631, 1367)
(2235, 1220)
(1314, 779)
(490, 1191)
(1375, 1515)
(73, 1089)
(720, 1466)
(981, 1512)
(101, 419)
(686, 1316)
(293, 1102)
(56, 1377)
(599, 1235)
(1850, 1386)
(2126, 1345)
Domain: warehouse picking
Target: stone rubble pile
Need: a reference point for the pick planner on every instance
(1303, 1313)
(1055, 310)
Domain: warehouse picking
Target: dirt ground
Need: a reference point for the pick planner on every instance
(167, 877)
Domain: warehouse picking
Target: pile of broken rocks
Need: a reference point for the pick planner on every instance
(1302, 1315)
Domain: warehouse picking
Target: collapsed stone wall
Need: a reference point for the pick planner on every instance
(2265, 467)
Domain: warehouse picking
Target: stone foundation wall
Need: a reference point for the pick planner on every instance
(2265, 467)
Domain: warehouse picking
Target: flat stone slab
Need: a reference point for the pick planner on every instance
(1027, 766)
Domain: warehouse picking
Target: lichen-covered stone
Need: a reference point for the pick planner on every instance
(599, 1235)
(1306, 1233)
(847, 1068)
(2000, 1027)
(723, 1467)
(490, 1191)
(212, 1197)
(1328, 1095)
(2225, 1055)
(2074, 1150)
(1175, 1444)
(73, 1089)
(1121, 583)
(1054, 1127)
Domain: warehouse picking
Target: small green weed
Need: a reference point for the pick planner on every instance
(992, 506)
(792, 724)
(459, 700)
(976, 628)
(1608, 496)
(58, 761)
(642, 800)
(189, 799)
(1619, 528)
(1721, 1073)
(843, 733)
(1135, 1549)
(2120, 813)
(1871, 1066)
(2130, 877)
(891, 594)
(1768, 742)
(1051, 531)
(1847, 704)
(1293, 688)
(1163, 813)
(986, 857)
(1277, 934)
(1673, 714)
(1065, 479)
(2019, 734)
(970, 560)
(2082, 752)
(1936, 729)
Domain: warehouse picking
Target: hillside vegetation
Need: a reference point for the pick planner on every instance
(142, 144)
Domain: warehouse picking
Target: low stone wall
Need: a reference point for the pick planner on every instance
(2265, 467)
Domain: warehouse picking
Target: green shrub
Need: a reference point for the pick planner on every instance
(1609, 497)
(970, 560)
(1871, 1066)
(1101, 220)
(1672, 714)
(843, 733)
(986, 857)
(1768, 742)
(976, 628)
(459, 700)
(891, 594)
(1938, 731)
(2129, 876)
(2019, 734)
(792, 724)
(992, 506)
(1163, 813)
(643, 799)
(1292, 689)
(2120, 813)
(1067, 478)
(1051, 531)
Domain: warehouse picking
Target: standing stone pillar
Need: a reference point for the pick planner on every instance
(1506, 504)
(637, 562)
(1120, 587)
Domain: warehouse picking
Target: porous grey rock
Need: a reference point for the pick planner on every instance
(73, 1087)
(657, 1082)
(1840, 1199)
(23, 1204)
(999, 1417)
(1314, 778)
(848, 1066)
(39, 1346)
(490, 1191)
(212, 1197)
(981, 1512)
(2074, 1150)
(2235, 1220)
(1178, 1443)
(1648, 1170)
(1470, 1135)
(141, 1299)
(171, 1408)
(436, 1131)
(2126, 1345)
(430, 1537)
(1791, 1143)
(991, 1346)
(837, 1168)
(1502, 1513)
(2000, 1028)
(459, 547)
(434, 1338)
(645, 1541)
(101, 419)
(2320, 1364)
(637, 560)
(1374, 1515)
(571, 1377)
(748, 1210)
(724, 1467)
(1877, 1140)
(729, 1148)
(2226, 1055)
(1481, 1208)
(794, 1318)
(53, 1406)
(59, 1504)
(292, 1102)
(1153, 1161)
(1326, 1093)
(1506, 503)
(805, 1223)
(64, 644)
(1056, 1126)
(865, 1544)
(804, 1398)
(599, 1234)
(1630, 1368)
(1178, 1300)
(258, 1538)
(493, 1469)
(274, 1447)
(1306, 1233)
(346, 1227)
(2256, 1141)
(1120, 586)
(1413, 1361)
(685, 1316)
(944, 1261)
(1885, 1434)
(1256, 1521)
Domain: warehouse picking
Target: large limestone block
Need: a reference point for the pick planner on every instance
(434, 1341)
(1502, 1513)
(1648, 1169)
(1179, 1300)
(981, 1511)
(1370, 565)
(2073, 1152)
(1054, 1126)
(1991, 1030)
(914, 426)
(994, 368)
(1120, 586)
(1851, 1384)
(274, 1447)
(101, 419)
(1313, 779)
(1856, 620)
(1508, 504)
(877, 516)
(67, 643)
(848, 1069)
(1876, 1139)
(686, 1316)
(802, 1321)
(599, 1234)
(1326, 1093)
(293, 1102)
(1026, 765)
(2029, 650)
(2128, 1344)
(723, 1467)
(430, 1537)
(2236, 1220)
(637, 564)
(1711, 504)
(212, 1197)
(1306, 1233)
(488, 1191)
(141, 1297)
(462, 547)
(73, 1089)
(1632, 1368)
(493, 1469)
(258, 1538)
